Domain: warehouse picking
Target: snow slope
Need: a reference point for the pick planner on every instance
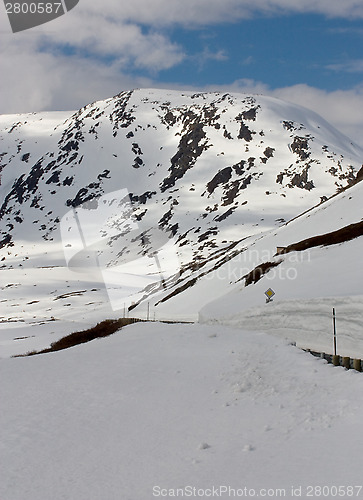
(307, 283)
(158, 407)
(214, 175)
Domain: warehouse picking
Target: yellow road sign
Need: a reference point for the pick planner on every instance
(269, 293)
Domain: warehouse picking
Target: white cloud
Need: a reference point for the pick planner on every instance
(248, 60)
(351, 30)
(103, 52)
(341, 108)
(202, 58)
(101, 36)
(352, 66)
(33, 81)
(204, 12)
(109, 40)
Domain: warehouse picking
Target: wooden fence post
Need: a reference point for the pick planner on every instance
(346, 362)
(357, 365)
(336, 360)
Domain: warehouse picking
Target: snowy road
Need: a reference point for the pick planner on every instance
(158, 407)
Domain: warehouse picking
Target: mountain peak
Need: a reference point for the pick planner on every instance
(207, 168)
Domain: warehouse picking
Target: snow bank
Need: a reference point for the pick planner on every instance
(158, 407)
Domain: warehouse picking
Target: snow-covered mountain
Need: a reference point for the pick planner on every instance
(204, 175)
(319, 268)
(187, 205)
(199, 165)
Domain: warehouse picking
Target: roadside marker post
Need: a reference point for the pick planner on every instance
(336, 358)
(335, 333)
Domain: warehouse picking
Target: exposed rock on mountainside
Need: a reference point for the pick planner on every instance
(209, 169)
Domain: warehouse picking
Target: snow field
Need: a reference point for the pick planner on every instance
(169, 406)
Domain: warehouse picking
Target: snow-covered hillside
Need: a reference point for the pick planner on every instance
(196, 164)
(172, 205)
(321, 269)
(150, 198)
(158, 407)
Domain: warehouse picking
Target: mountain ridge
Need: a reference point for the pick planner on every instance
(227, 178)
(207, 169)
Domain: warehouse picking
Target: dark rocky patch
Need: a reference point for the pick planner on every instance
(85, 194)
(169, 119)
(279, 178)
(104, 175)
(93, 130)
(54, 178)
(142, 198)
(68, 181)
(139, 215)
(136, 149)
(342, 235)
(178, 290)
(227, 134)
(73, 158)
(231, 191)
(245, 133)
(212, 231)
(225, 214)
(289, 125)
(164, 221)
(269, 152)
(221, 177)
(184, 235)
(251, 162)
(226, 253)
(301, 180)
(245, 182)
(23, 187)
(35, 201)
(138, 162)
(359, 175)
(6, 241)
(256, 274)
(70, 146)
(50, 166)
(300, 146)
(239, 168)
(32, 180)
(210, 210)
(251, 113)
(191, 146)
(120, 117)
(173, 229)
(15, 125)
(197, 95)
(210, 116)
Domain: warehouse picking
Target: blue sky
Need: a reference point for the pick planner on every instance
(304, 51)
(279, 51)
